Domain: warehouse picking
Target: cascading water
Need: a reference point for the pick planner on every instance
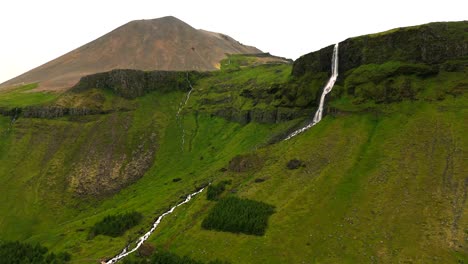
(181, 106)
(143, 238)
(328, 87)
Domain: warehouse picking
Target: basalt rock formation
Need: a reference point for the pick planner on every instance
(433, 43)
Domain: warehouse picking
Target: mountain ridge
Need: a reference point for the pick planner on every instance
(165, 43)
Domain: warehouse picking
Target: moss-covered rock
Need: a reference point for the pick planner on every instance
(135, 83)
(432, 43)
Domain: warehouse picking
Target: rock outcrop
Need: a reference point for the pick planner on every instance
(134, 83)
(49, 112)
(266, 116)
(432, 43)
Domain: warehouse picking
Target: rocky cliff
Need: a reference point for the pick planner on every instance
(432, 43)
(133, 83)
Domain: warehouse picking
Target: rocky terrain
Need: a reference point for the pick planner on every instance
(159, 44)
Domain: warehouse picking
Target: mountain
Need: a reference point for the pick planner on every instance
(159, 44)
(380, 179)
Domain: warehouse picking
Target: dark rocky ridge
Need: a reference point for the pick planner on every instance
(49, 112)
(432, 43)
(266, 116)
(134, 83)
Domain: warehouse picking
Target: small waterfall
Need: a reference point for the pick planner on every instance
(328, 87)
(125, 252)
(181, 106)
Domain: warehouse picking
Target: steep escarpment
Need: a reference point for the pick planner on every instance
(134, 83)
(404, 63)
(433, 43)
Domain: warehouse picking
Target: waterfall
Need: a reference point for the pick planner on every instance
(181, 106)
(125, 252)
(328, 87)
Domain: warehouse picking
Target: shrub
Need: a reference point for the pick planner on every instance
(294, 164)
(18, 252)
(146, 250)
(116, 225)
(244, 163)
(258, 180)
(237, 215)
(215, 190)
(165, 257)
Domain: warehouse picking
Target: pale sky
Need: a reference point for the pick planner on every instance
(34, 32)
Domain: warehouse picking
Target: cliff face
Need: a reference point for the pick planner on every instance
(134, 83)
(432, 43)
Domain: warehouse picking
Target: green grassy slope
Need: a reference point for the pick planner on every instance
(38, 155)
(22, 96)
(386, 188)
(384, 176)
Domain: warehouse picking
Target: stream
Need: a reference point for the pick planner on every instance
(328, 87)
(125, 252)
(181, 106)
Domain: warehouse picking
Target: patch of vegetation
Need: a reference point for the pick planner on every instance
(238, 215)
(236, 61)
(295, 164)
(24, 253)
(215, 190)
(116, 225)
(166, 257)
(244, 163)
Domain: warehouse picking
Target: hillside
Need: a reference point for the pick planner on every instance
(159, 44)
(381, 179)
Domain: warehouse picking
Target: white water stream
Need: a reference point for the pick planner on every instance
(328, 87)
(143, 238)
(187, 97)
(318, 116)
(181, 106)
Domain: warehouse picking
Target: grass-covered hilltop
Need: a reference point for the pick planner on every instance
(383, 178)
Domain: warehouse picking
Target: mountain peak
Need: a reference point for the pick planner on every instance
(165, 43)
(167, 20)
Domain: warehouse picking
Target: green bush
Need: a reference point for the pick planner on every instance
(215, 190)
(165, 257)
(116, 225)
(24, 253)
(237, 215)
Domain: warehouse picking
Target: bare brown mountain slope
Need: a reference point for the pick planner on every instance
(165, 43)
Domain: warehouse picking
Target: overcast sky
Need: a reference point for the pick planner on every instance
(34, 32)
